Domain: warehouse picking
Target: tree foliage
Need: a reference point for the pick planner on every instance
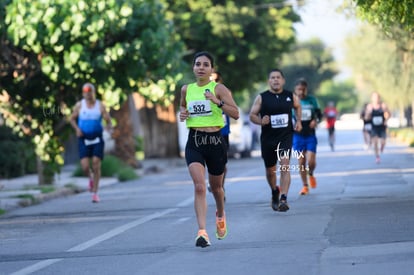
(246, 37)
(124, 46)
(50, 48)
(388, 14)
(311, 60)
(343, 94)
(395, 20)
(379, 66)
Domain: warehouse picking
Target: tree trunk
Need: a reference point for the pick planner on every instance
(159, 128)
(401, 116)
(123, 135)
(44, 176)
(412, 114)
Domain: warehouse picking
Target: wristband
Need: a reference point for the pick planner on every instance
(220, 104)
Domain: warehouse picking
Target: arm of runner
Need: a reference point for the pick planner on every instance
(318, 115)
(368, 112)
(73, 119)
(254, 114)
(387, 113)
(225, 101)
(184, 114)
(298, 112)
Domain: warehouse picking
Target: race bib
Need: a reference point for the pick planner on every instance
(377, 120)
(199, 108)
(92, 141)
(368, 127)
(306, 114)
(279, 121)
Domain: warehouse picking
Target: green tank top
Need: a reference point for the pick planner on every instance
(203, 112)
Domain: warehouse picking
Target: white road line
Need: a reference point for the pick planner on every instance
(36, 267)
(186, 202)
(181, 220)
(106, 236)
(119, 230)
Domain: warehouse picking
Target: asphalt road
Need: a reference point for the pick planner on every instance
(359, 220)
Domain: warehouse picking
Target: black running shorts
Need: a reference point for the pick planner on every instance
(275, 149)
(89, 148)
(208, 149)
(380, 132)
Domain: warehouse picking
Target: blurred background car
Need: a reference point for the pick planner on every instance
(241, 136)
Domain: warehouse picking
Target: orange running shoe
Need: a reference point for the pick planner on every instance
(221, 231)
(304, 191)
(312, 181)
(202, 238)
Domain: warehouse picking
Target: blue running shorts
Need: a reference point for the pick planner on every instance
(89, 148)
(304, 143)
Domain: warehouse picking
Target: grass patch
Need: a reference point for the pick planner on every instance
(405, 135)
(126, 174)
(2, 211)
(29, 199)
(26, 196)
(73, 187)
(112, 166)
(44, 189)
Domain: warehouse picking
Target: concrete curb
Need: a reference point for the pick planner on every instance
(16, 198)
(14, 202)
(67, 185)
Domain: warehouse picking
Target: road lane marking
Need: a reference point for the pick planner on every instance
(367, 172)
(186, 202)
(106, 236)
(181, 220)
(119, 230)
(45, 220)
(36, 267)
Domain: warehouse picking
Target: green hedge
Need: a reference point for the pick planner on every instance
(405, 135)
(17, 157)
(112, 166)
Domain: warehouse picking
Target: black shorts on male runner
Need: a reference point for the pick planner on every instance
(378, 132)
(208, 149)
(274, 150)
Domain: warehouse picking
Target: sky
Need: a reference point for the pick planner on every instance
(320, 19)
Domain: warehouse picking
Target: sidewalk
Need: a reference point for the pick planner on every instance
(25, 191)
